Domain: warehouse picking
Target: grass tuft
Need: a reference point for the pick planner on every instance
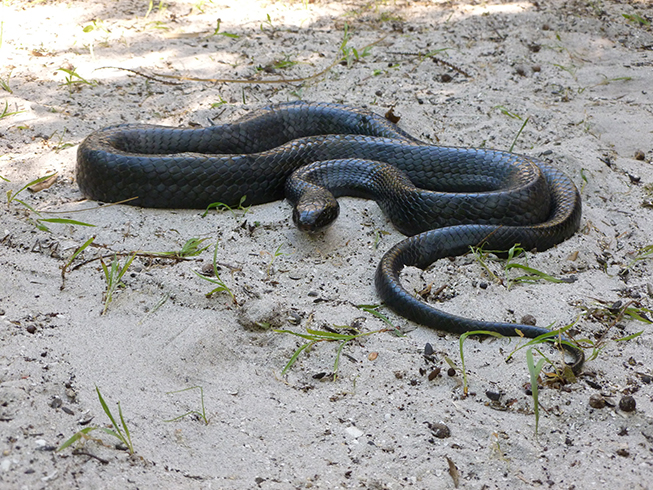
(221, 286)
(113, 274)
(119, 431)
(315, 336)
(201, 414)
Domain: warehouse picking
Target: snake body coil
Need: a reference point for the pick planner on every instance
(447, 198)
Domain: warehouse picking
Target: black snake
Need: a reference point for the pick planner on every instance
(299, 150)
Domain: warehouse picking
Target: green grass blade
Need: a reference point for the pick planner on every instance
(330, 335)
(337, 361)
(514, 142)
(297, 334)
(295, 356)
(534, 371)
(372, 309)
(535, 275)
(112, 432)
(106, 408)
(76, 437)
(126, 429)
(634, 313)
(65, 221)
(630, 337)
(461, 341)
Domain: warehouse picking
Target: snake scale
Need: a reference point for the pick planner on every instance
(445, 198)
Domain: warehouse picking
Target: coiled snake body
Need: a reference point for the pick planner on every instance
(314, 152)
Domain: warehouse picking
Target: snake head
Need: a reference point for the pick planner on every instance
(315, 210)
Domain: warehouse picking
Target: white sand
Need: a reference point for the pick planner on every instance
(367, 429)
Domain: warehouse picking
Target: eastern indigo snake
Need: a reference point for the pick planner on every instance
(476, 196)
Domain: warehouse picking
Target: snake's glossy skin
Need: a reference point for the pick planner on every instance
(474, 196)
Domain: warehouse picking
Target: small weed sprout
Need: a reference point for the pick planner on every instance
(113, 276)
(315, 336)
(267, 26)
(215, 105)
(532, 275)
(642, 254)
(38, 222)
(119, 431)
(201, 414)
(374, 310)
(584, 178)
(60, 145)
(192, 248)
(225, 207)
(5, 112)
(273, 257)
(150, 6)
(72, 258)
(535, 370)
(217, 32)
(13, 196)
(515, 252)
(613, 313)
(461, 341)
(4, 84)
(221, 286)
(73, 80)
(349, 54)
(637, 18)
(513, 115)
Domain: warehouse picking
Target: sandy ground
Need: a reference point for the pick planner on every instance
(579, 70)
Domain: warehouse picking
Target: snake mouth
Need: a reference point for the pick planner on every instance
(311, 219)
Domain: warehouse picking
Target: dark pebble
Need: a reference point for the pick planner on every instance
(597, 401)
(451, 372)
(593, 384)
(56, 402)
(440, 430)
(528, 320)
(434, 374)
(627, 404)
(493, 395)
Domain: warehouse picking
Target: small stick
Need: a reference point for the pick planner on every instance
(239, 80)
